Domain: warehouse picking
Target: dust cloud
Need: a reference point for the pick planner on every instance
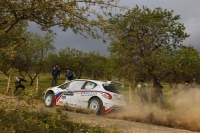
(182, 111)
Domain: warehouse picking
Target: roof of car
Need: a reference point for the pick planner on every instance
(96, 81)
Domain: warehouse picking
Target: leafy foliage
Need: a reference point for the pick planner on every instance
(184, 65)
(144, 39)
(90, 64)
(31, 59)
(80, 16)
(22, 120)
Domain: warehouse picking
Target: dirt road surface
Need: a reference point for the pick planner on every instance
(121, 125)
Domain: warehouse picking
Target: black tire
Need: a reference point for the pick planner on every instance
(49, 100)
(96, 105)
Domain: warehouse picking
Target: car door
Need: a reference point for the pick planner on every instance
(62, 96)
(87, 92)
(72, 94)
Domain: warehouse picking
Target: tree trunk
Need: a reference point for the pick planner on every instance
(8, 85)
(109, 78)
(171, 85)
(36, 86)
(31, 83)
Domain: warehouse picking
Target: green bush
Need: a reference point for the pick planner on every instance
(22, 120)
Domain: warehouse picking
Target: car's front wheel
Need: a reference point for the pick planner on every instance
(96, 105)
(49, 100)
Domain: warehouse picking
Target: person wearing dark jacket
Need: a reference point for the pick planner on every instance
(69, 75)
(55, 75)
(18, 83)
(157, 93)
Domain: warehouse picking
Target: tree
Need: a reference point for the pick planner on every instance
(111, 68)
(96, 65)
(15, 36)
(31, 59)
(51, 60)
(73, 59)
(186, 62)
(80, 60)
(80, 16)
(7, 59)
(90, 64)
(144, 38)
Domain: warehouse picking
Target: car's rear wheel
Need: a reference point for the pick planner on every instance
(49, 100)
(96, 105)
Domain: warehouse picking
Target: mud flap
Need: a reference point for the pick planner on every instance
(103, 110)
(54, 100)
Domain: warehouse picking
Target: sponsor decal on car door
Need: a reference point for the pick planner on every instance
(73, 93)
(87, 91)
(64, 98)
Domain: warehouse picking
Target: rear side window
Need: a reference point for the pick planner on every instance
(111, 88)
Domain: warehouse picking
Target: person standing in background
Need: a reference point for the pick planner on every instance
(69, 75)
(157, 93)
(142, 91)
(194, 82)
(55, 74)
(187, 86)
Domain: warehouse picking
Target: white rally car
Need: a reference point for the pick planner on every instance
(100, 96)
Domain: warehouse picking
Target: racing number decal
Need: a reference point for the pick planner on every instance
(106, 95)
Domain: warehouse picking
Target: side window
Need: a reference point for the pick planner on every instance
(89, 85)
(76, 85)
(64, 86)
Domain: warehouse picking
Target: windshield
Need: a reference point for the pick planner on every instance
(111, 88)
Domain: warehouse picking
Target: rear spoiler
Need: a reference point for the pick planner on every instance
(116, 83)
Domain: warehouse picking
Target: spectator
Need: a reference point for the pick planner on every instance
(142, 91)
(69, 75)
(157, 93)
(194, 82)
(55, 75)
(187, 86)
(18, 83)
